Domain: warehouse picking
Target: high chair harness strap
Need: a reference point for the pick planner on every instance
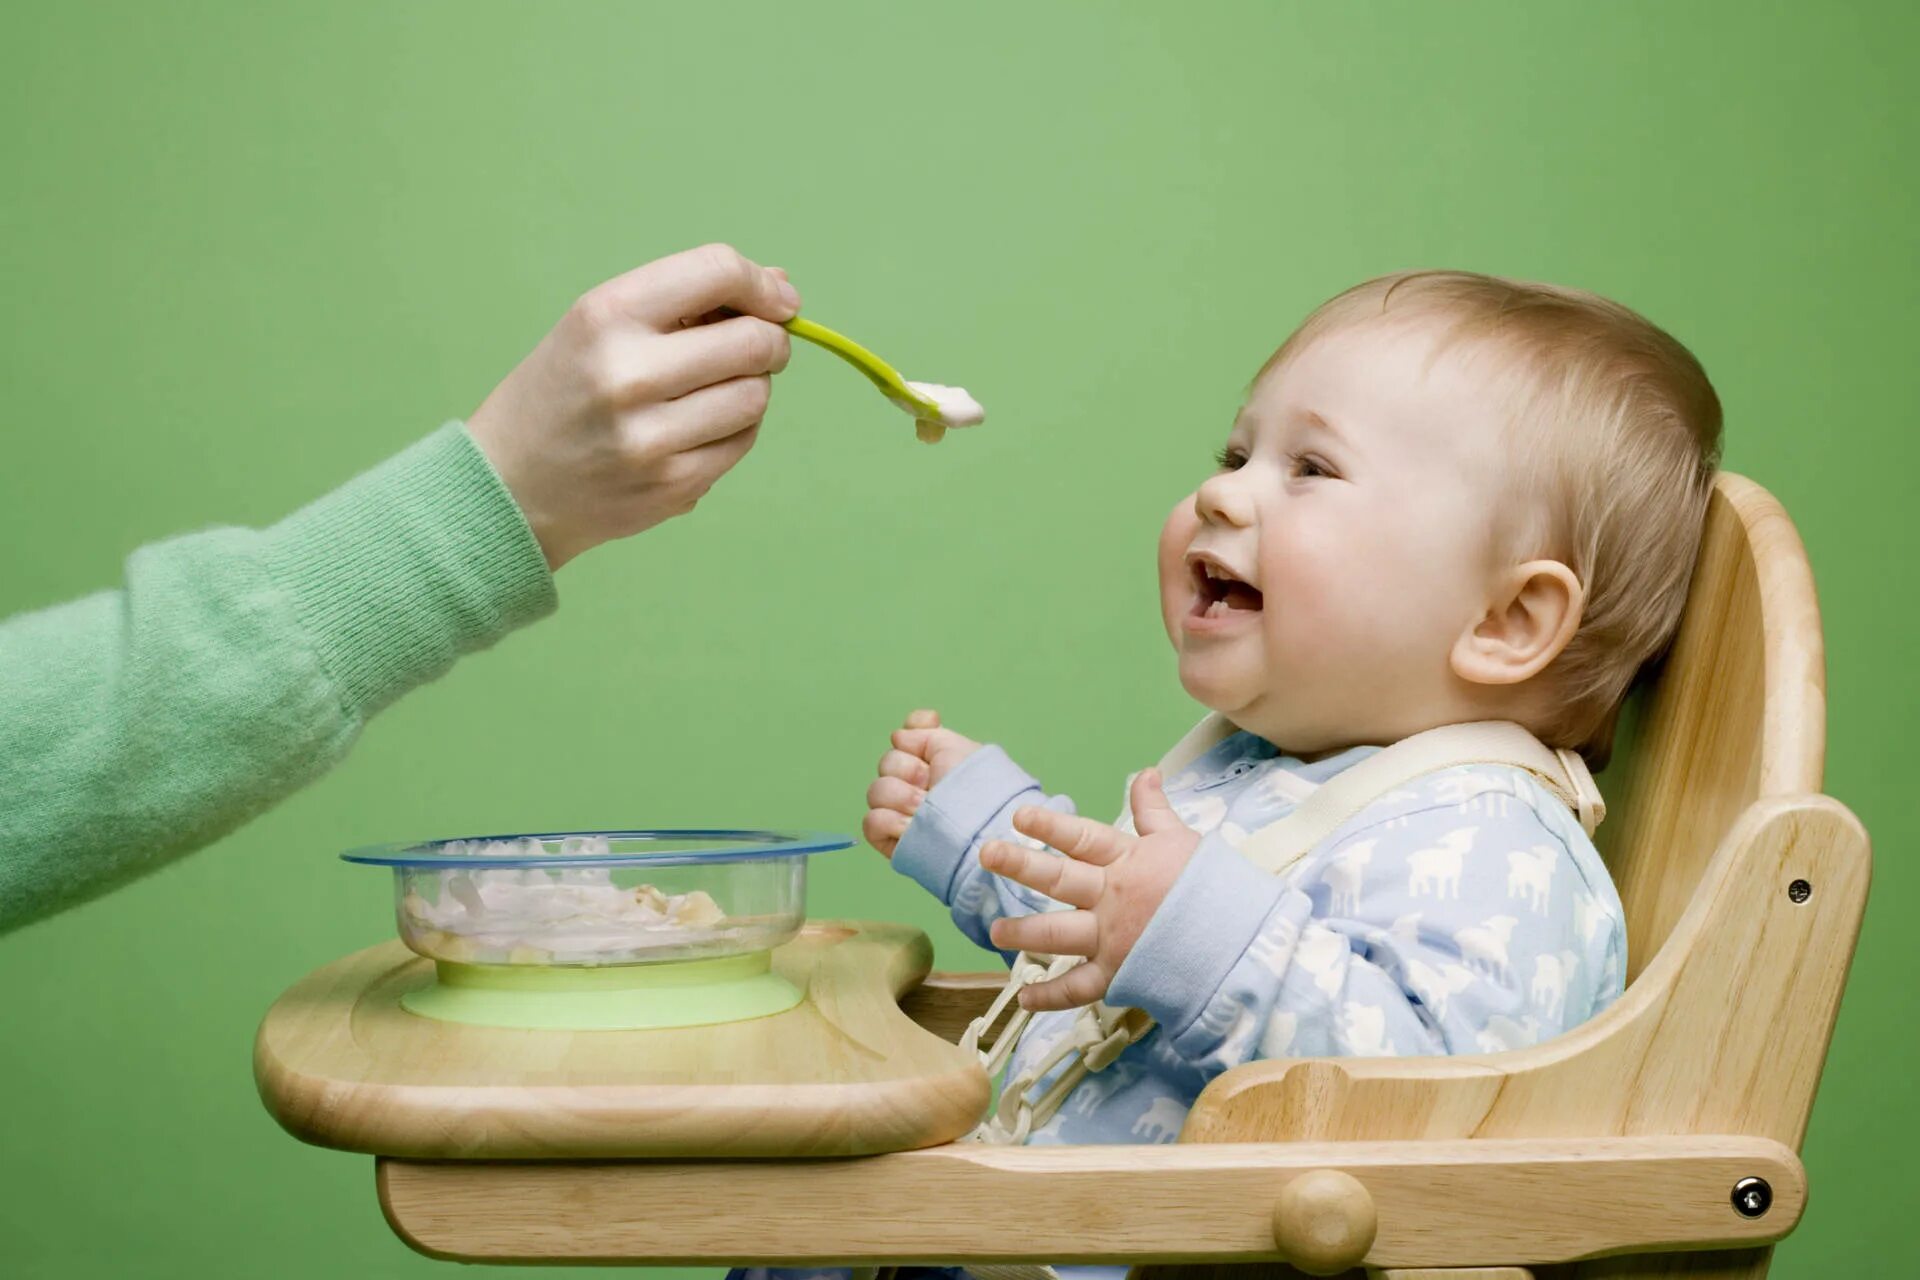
(1102, 1032)
(1277, 846)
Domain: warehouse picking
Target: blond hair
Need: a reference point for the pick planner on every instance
(1617, 432)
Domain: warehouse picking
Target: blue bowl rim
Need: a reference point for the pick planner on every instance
(763, 845)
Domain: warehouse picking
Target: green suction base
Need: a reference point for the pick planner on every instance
(634, 997)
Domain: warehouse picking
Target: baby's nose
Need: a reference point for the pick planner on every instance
(1221, 500)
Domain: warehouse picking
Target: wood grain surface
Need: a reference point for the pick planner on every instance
(339, 1063)
(1467, 1202)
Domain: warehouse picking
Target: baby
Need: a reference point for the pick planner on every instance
(1448, 498)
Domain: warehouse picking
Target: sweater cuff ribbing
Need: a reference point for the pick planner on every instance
(408, 566)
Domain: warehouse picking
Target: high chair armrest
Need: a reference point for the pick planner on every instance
(1774, 920)
(946, 1003)
(1322, 1206)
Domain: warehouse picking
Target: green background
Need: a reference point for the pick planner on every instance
(249, 250)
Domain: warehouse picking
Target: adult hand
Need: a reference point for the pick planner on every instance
(1116, 880)
(922, 754)
(642, 396)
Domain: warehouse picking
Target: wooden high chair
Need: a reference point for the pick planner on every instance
(1656, 1140)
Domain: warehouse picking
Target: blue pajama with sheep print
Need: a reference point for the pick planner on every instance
(1465, 912)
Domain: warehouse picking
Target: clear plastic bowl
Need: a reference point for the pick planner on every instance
(598, 898)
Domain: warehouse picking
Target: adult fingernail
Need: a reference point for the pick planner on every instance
(789, 294)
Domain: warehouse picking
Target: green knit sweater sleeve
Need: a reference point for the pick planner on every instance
(234, 666)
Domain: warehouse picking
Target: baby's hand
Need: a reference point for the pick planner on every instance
(1117, 880)
(922, 754)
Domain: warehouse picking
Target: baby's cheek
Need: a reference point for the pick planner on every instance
(1297, 626)
(1175, 536)
(1308, 593)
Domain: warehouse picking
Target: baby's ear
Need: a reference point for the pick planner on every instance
(1533, 613)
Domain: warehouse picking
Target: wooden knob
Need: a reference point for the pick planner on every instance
(1324, 1222)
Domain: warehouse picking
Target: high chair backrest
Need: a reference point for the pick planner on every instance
(1736, 712)
(1744, 888)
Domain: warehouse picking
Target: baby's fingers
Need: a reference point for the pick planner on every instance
(1052, 933)
(1082, 984)
(906, 767)
(917, 742)
(1152, 811)
(883, 828)
(1077, 837)
(892, 793)
(1062, 879)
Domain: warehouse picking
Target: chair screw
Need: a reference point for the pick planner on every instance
(1799, 891)
(1752, 1197)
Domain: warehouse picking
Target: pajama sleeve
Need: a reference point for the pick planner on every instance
(1434, 931)
(941, 846)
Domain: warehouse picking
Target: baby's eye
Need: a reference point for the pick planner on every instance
(1230, 459)
(1308, 467)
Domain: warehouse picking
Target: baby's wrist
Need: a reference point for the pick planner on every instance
(981, 791)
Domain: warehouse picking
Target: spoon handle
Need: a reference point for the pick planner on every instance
(878, 371)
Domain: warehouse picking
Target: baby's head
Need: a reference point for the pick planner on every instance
(1448, 497)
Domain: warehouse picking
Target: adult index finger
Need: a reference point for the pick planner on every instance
(687, 285)
(737, 347)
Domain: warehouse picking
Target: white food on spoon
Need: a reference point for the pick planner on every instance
(956, 408)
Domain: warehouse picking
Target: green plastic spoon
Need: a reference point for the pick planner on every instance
(931, 418)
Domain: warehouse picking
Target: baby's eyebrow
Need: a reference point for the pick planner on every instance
(1318, 420)
(1310, 419)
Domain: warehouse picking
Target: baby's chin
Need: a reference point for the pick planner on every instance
(1218, 686)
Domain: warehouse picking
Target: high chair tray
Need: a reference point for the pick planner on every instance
(340, 1064)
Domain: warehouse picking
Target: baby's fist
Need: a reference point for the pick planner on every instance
(942, 750)
(922, 754)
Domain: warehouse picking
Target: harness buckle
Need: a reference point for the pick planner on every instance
(1100, 1056)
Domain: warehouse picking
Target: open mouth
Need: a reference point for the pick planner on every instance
(1218, 591)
